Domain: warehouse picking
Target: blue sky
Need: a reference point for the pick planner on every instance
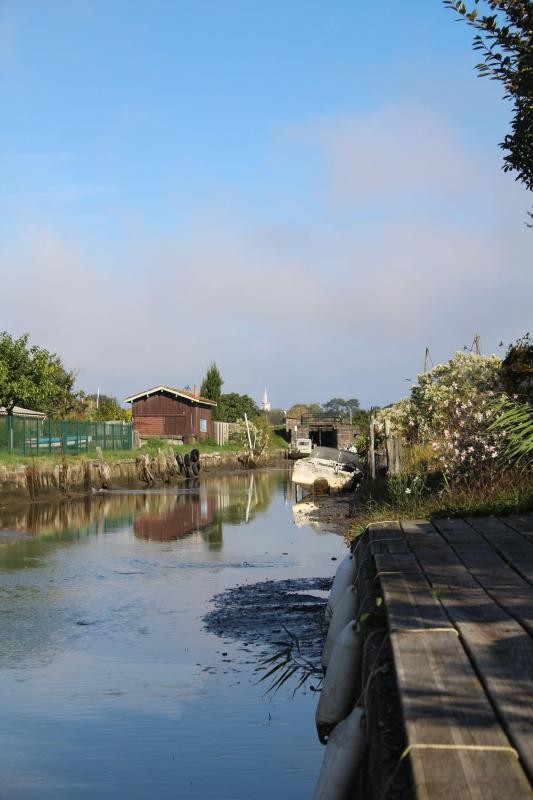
(308, 193)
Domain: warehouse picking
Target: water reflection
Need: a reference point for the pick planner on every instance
(110, 685)
(162, 516)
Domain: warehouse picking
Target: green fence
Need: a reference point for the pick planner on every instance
(38, 437)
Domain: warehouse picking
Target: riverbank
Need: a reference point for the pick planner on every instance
(48, 480)
(326, 512)
(404, 497)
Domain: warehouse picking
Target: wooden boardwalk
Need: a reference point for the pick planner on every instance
(459, 601)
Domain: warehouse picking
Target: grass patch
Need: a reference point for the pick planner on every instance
(510, 492)
(151, 447)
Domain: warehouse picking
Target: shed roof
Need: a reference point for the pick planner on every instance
(196, 398)
(18, 411)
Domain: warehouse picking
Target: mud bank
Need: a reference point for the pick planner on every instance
(45, 481)
(283, 616)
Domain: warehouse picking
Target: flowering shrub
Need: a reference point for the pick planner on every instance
(451, 408)
(259, 435)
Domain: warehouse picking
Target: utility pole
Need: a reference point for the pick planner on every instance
(426, 360)
(477, 342)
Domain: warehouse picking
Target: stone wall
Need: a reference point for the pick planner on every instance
(22, 482)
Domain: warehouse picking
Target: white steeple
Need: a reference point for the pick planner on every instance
(265, 405)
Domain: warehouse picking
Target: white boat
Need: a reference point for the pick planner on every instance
(327, 469)
(301, 449)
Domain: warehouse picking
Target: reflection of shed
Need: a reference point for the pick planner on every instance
(174, 413)
(190, 514)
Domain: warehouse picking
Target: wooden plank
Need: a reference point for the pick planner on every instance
(500, 649)
(409, 601)
(443, 703)
(515, 548)
(442, 698)
(386, 537)
(512, 592)
(520, 522)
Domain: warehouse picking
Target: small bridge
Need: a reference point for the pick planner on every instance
(324, 429)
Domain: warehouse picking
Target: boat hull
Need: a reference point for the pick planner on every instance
(310, 474)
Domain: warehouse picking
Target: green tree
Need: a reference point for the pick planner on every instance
(504, 37)
(63, 400)
(108, 408)
(338, 407)
(276, 416)
(298, 410)
(232, 407)
(32, 376)
(516, 372)
(212, 383)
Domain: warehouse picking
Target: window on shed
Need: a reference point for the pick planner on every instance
(203, 425)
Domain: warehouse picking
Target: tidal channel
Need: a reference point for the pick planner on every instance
(111, 686)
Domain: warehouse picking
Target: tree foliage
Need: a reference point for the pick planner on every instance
(339, 407)
(212, 383)
(32, 377)
(505, 39)
(108, 408)
(517, 370)
(232, 407)
(299, 410)
(276, 416)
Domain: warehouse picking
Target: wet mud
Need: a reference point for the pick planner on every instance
(274, 614)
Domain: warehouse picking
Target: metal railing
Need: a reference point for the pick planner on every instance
(30, 436)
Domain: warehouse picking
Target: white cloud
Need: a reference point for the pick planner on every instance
(311, 311)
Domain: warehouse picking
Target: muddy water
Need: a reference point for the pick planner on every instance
(110, 685)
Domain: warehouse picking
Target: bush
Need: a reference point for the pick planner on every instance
(517, 370)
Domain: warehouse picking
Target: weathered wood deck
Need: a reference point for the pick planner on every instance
(459, 601)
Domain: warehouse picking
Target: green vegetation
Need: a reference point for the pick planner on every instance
(232, 407)
(517, 370)
(468, 445)
(419, 497)
(34, 378)
(345, 411)
(212, 383)
(516, 419)
(31, 376)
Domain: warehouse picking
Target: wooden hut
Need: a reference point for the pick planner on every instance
(172, 413)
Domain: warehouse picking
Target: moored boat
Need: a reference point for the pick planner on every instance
(327, 468)
(301, 449)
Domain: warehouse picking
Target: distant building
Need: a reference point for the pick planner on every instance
(171, 413)
(265, 405)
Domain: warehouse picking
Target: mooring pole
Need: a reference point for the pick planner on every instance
(249, 437)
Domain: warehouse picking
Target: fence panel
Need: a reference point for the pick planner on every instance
(31, 436)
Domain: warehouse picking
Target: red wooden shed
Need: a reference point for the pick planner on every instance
(171, 413)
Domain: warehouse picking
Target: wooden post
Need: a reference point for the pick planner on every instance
(389, 448)
(397, 455)
(371, 454)
(249, 437)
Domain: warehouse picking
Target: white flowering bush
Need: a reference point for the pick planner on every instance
(451, 408)
(259, 435)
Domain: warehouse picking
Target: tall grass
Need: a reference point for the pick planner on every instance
(508, 492)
